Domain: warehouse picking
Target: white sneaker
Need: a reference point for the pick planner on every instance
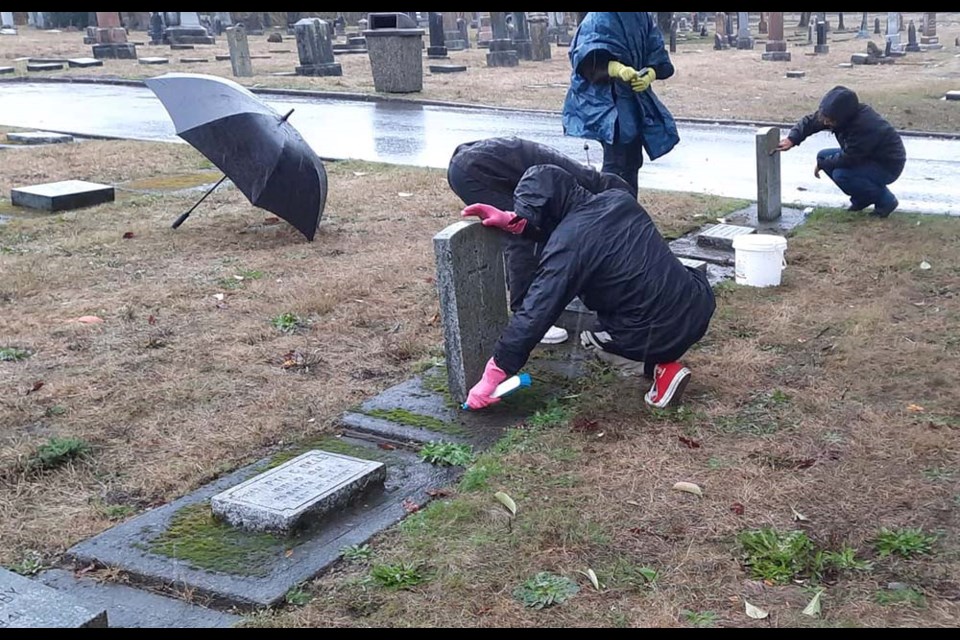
(554, 335)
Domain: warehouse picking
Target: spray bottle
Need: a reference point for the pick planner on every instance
(508, 386)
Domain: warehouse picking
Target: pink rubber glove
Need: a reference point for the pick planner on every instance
(479, 396)
(490, 216)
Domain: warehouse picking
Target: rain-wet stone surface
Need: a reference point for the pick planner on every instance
(128, 607)
(254, 569)
(28, 604)
(421, 409)
(720, 236)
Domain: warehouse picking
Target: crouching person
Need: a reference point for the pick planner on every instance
(605, 248)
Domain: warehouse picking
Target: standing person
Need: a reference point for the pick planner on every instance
(605, 248)
(615, 58)
(871, 154)
(487, 171)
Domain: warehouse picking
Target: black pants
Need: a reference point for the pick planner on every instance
(623, 159)
(522, 257)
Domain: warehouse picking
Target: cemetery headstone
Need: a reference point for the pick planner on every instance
(762, 26)
(744, 41)
(768, 174)
(502, 52)
(83, 63)
(394, 45)
(62, 196)
(186, 29)
(437, 48)
(876, 26)
(299, 492)
(821, 46)
(776, 47)
(796, 74)
(315, 49)
(239, 56)
(840, 25)
(28, 604)
(521, 36)
(44, 66)
(912, 44)
(473, 300)
(893, 30)
(929, 35)
(156, 28)
(864, 31)
(539, 38)
(462, 27)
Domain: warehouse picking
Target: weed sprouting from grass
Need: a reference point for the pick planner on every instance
(545, 590)
(360, 553)
(57, 452)
(287, 322)
(451, 454)
(401, 575)
(905, 543)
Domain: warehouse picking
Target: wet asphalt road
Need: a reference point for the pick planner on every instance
(712, 159)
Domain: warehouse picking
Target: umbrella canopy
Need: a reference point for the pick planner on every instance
(254, 146)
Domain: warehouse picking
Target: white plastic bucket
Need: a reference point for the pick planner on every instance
(759, 259)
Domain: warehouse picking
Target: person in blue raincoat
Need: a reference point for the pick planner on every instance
(616, 57)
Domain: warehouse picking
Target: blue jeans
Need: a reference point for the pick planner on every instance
(866, 183)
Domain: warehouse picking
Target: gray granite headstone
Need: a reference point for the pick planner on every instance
(744, 41)
(239, 52)
(768, 174)
(189, 19)
(26, 604)
(4, 70)
(62, 196)
(299, 491)
(473, 300)
(83, 63)
(720, 236)
(315, 49)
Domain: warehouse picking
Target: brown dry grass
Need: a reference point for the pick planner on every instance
(735, 85)
(174, 388)
(860, 344)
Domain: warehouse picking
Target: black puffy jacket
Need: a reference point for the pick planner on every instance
(605, 248)
(863, 134)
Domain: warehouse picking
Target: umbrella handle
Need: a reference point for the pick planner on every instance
(179, 221)
(284, 118)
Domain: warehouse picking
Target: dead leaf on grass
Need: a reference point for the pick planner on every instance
(410, 506)
(689, 442)
(755, 612)
(506, 501)
(813, 609)
(799, 517)
(592, 577)
(689, 487)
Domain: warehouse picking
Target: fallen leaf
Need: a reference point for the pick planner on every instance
(87, 320)
(633, 503)
(404, 194)
(238, 278)
(218, 296)
(755, 612)
(689, 487)
(915, 408)
(268, 221)
(36, 386)
(128, 235)
(506, 501)
(386, 446)
(689, 442)
(593, 578)
(439, 493)
(288, 553)
(799, 517)
(925, 265)
(813, 609)
(359, 174)
(737, 508)
(410, 506)
(151, 320)
(87, 569)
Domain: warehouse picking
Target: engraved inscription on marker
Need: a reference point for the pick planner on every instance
(303, 489)
(721, 236)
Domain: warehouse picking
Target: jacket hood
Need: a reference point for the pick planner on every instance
(839, 104)
(544, 195)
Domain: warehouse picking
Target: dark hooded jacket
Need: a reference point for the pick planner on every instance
(606, 249)
(499, 163)
(864, 136)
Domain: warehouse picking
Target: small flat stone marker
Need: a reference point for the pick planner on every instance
(447, 68)
(261, 56)
(27, 604)
(721, 236)
(193, 60)
(952, 95)
(83, 63)
(698, 265)
(38, 137)
(4, 70)
(44, 66)
(796, 74)
(62, 196)
(845, 65)
(306, 488)
(222, 57)
(153, 60)
(181, 47)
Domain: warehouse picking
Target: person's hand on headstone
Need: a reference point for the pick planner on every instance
(785, 145)
(479, 396)
(644, 79)
(490, 216)
(619, 70)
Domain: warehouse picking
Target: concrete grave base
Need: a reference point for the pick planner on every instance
(38, 137)
(83, 63)
(154, 60)
(62, 196)
(29, 604)
(447, 68)
(329, 69)
(166, 546)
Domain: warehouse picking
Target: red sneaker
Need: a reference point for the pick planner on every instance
(669, 381)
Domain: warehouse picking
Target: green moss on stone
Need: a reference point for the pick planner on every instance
(327, 443)
(196, 536)
(402, 416)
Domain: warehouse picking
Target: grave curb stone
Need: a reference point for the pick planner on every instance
(29, 604)
(447, 68)
(38, 137)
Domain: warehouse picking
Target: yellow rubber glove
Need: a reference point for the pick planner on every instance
(644, 79)
(623, 72)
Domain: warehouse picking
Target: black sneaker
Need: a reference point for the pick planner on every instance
(883, 212)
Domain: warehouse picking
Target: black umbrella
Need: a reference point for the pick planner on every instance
(254, 146)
